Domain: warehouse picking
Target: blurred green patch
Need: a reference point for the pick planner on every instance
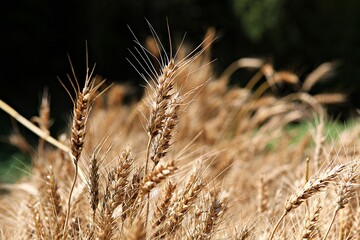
(258, 16)
(297, 131)
(13, 166)
(332, 129)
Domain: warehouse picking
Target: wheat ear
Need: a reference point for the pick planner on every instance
(38, 225)
(54, 205)
(94, 183)
(162, 209)
(43, 120)
(158, 106)
(311, 187)
(263, 195)
(159, 174)
(106, 223)
(312, 222)
(216, 210)
(180, 208)
(161, 142)
(114, 194)
(82, 108)
(344, 192)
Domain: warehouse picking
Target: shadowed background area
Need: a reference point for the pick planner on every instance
(296, 36)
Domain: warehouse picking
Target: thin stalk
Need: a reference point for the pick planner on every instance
(145, 174)
(37, 131)
(32, 127)
(307, 170)
(69, 202)
(147, 156)
(260, 90)
(331, 223)
(146, 169)
(254, 80)
(277, 225)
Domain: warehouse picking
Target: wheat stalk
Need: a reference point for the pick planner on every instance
(33, 128)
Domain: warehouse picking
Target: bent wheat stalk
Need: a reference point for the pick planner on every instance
(39, 132)
(32, 127)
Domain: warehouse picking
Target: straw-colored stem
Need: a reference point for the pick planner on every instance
(260, 90)
(307, 170)
(277, 225)
(69, 202)
(40, 133)
(146, 171)
(254, 80)
(147, 156)
(32, 127)
(331, 223)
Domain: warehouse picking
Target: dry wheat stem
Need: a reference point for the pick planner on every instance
(69, 203)
(39, 132)
(158, 108)
(241, 63)
(32, 127)
(277, 224)
(331, 223)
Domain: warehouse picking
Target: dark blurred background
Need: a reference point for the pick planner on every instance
(295, 35)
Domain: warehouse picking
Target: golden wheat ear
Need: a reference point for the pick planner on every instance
(83, 103)
(312, 222)
(314, 185)
(345, 190)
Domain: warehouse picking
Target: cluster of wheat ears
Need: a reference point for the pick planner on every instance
(193, 159)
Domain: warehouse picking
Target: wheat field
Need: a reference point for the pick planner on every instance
(193, 159)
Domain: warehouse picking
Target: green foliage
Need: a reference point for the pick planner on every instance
(258, 16)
